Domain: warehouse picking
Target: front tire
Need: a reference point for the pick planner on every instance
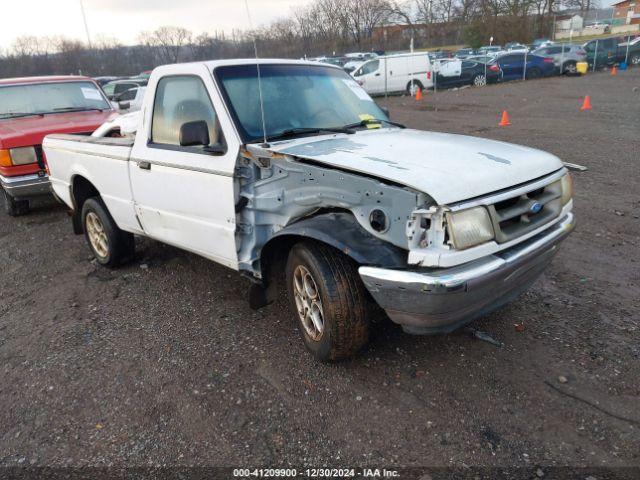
(13, 207)
(635, 59)
(329, 301)
(109, 245)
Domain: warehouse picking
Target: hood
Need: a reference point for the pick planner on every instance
(449, 168)
(25, 131)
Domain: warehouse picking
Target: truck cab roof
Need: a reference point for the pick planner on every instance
(43, 79)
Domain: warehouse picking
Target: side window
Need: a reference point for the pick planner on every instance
(128, 95)
(123, 87)
(370, 67)
(182, 99)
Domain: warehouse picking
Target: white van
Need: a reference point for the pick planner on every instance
(395, 73)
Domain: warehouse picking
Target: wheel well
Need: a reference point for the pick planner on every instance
(338, 230)
(81, 190)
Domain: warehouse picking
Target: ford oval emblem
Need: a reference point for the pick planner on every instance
(535, 207)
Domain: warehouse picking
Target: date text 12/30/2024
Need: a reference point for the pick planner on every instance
(315, 473)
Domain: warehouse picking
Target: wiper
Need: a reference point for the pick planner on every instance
(20, 114)
(293, 132)
(373, 121)
(76, 109)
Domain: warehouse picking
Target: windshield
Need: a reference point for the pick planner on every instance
(295, 97)
(46, 98)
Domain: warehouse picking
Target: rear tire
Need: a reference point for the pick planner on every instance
(13, 207)
(329, 301)
(479, 80)
(109, 245)
(635, 59)
(414, 86)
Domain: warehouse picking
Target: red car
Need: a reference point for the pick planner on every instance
(30, 109)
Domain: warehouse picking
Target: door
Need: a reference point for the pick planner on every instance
(449, 72)
(467, 71)
(397, 73)
(371, 78)
(184, 195)
(512, 66)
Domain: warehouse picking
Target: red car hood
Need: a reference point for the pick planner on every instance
(26, 131)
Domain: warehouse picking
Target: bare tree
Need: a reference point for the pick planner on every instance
(169, 42)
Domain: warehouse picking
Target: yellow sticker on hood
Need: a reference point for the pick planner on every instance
(366, 116)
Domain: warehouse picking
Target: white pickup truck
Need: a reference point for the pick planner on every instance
(292, 168)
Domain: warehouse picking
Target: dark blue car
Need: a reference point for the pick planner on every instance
(513, 66)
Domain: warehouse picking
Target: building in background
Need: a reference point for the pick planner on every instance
(627, 12)
(565, 23)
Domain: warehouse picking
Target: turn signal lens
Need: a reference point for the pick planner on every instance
(5, 158)
(567, 189)
(23, 155)
(468, 228)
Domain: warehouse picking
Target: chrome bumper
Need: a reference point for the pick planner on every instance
(26, 186)
(441, 300)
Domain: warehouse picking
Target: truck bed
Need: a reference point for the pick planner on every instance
(101, 161)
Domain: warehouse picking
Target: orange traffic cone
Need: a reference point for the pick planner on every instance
(586, 105)
(505, 119)
(419, 94)
(614, 70)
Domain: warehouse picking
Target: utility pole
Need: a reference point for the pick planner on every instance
(86, 27)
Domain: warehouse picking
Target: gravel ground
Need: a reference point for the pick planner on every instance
(163, 362)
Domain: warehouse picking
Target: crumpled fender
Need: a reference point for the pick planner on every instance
(342, 231)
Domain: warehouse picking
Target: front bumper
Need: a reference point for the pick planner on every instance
(26, 186)
(441, 300)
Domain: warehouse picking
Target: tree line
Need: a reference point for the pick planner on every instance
(324, 27)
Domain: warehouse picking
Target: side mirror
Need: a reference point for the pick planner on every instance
(124, 105)
(194, 134)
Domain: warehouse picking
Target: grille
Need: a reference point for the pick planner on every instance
(518, 215)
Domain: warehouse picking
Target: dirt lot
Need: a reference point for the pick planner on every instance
(163, 362)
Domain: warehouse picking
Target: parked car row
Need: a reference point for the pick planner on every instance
(407, 72)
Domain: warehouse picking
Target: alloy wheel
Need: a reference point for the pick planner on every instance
(480, 80)
(97, 234)
(308, 302)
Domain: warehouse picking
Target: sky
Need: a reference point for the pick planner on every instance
(125, 19)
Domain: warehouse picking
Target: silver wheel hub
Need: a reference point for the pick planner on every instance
(480, 80)
(97, 235)
(308, 302)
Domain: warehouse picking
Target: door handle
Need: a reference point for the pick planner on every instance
(377, 74)
(144, 165)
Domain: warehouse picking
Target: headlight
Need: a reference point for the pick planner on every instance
(23, 155)
(468, 228)
(567, 189)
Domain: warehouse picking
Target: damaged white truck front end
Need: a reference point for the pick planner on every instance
(476, 225)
